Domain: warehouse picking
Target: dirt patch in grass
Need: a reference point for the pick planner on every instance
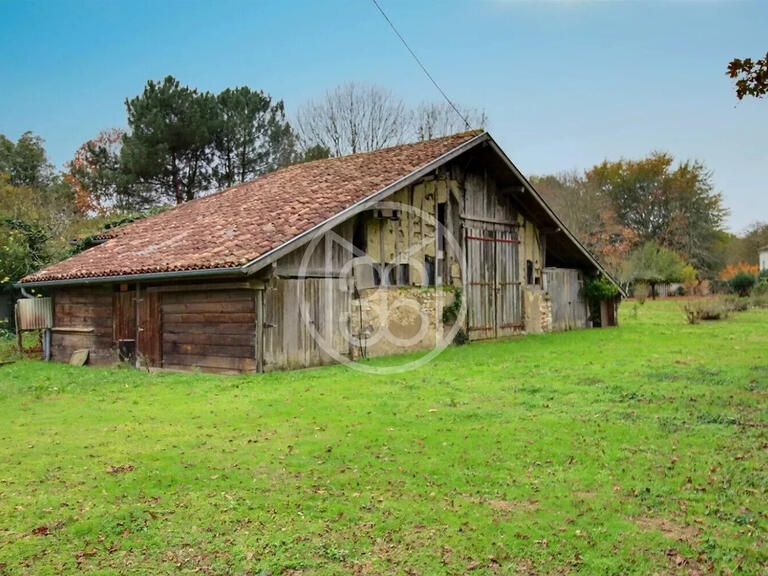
(506, 505)
(584, 494)
(122, 469)
(670, 528)
(511, 505)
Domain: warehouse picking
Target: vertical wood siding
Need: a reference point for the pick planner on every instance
(493, 286)
(290, 339)
(569, 308)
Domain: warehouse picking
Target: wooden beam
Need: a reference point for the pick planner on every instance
(73, 329)
(259, 297)
(245, 285)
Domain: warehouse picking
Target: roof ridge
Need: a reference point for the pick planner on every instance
(331, 159)
(465, 133)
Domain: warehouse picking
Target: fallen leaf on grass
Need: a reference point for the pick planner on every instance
(120, 469)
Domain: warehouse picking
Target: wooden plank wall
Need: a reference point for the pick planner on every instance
(494, 276)
(124, 320)
(88, 307)
(569, 308)
(290, 339)
(481, 280)
(326, 256)
(212, 330)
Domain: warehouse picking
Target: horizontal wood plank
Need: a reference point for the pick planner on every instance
(222, 318)
(214, 339)
(210, 361)
(208, 287)
(209, 328)
(85, 320)
(223, 349)
(217, 296)
(94, 310)
(210, 307)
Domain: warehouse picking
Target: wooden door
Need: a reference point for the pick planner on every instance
(481, 282)
(569, 307)
(509, 309)
(150, 343)
(494, 303)
(124, 315)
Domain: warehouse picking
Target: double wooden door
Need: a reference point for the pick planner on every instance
(494, 303)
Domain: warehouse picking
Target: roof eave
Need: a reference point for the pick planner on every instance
(149, 276)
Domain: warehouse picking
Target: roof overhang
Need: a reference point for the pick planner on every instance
(236, 272)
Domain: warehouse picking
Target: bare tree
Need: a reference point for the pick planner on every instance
(435, 119)
(353, 118)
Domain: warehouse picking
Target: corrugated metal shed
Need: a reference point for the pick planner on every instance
(34, 313)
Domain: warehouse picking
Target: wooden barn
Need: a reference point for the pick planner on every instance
(327, 261)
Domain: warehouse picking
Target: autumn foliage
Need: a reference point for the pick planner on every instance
(732, 270)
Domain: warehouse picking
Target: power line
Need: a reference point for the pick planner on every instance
(451, 104)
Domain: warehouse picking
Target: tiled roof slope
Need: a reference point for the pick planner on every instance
(232, 227)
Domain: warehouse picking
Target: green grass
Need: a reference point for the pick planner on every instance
(635, 450)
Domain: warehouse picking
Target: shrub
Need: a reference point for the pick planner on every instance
(641, 292)
(599, 288)
(706, 309)
(759, 300)
(760, 288)
(692, 312)
(736, 304)
(720, 286)
(742, 283)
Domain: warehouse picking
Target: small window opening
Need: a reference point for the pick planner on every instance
(429, 269)
(529, 272)
(441, 212)
(403, 275)
(358, 234)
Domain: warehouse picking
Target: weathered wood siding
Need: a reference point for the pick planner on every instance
(303, 319)
(492, 248)
(213, 330)
(82, 318)
(569, 307)
(325, 256)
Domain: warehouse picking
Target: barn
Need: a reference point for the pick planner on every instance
(379, 253)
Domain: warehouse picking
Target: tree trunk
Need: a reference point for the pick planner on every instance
(176, 183)
(653, 290)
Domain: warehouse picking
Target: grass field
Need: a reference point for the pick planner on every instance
(637, 450)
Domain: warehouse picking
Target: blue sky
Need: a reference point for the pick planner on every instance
(565, 83)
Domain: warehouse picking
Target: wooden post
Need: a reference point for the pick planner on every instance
(259, 344)
(137, 308)
(19, 340)
(604, 313)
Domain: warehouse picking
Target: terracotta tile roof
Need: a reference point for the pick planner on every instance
(232, 227)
